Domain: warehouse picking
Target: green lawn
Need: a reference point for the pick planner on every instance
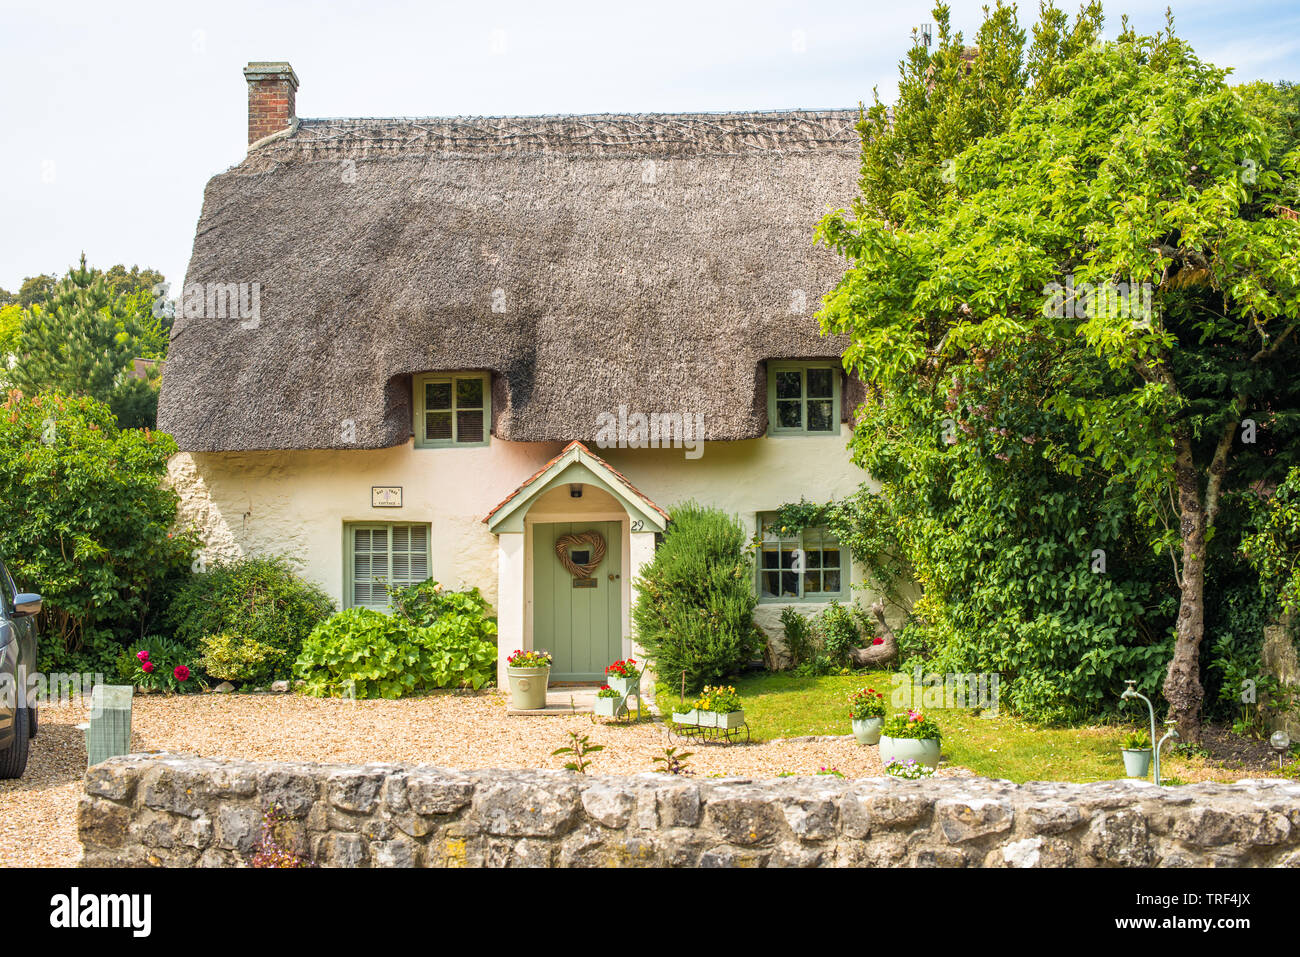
(784, 706)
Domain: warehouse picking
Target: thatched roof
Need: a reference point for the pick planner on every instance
(653, 261)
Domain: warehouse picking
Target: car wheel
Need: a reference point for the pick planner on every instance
(31, 721)
(13, 759)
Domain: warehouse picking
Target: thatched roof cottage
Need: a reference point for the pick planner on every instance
(414, 347)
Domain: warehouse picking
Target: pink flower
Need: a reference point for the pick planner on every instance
(142, 655)
(147, 667)
(181, 673)
(877, 641)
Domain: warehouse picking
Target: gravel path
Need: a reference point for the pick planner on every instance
(38, 813)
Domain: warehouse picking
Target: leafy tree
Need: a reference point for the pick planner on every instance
(87, 522)
(695, 613)
(35, 290)
(1130, 162)
(82, 342)
(1274, 547)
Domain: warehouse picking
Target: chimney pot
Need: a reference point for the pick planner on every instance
(272, 86)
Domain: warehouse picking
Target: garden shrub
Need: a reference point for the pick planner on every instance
(424, 603)
(695, 613)
(157, 663)
(236, 658)
(364, 653)
(88, 524)
(797, 631)
(260, 600)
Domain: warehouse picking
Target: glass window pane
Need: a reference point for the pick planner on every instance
(469, 426)
(831, 582)
(812, 558)
(821, 383)
(437, 395)
(787, 556)
(830, 557)
(789, 414)
(789, 384)
(469, 393)
(812, 582)
(770, 583)
(771, 557)
(820, 414)
(437, 426)
(789, 585)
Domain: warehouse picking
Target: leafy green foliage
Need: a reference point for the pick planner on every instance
(81, 338)
(158, 664)
(695, 613)
(259, 599)
(426, 602)
(1274, 548)
(228, 657)
(913, 724)
(86, 521)
(367, 654)
(579, 747)
(1014, 437)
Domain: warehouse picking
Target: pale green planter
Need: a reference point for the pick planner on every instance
(624, 686)
(611, 707)
(686, 717)
(867, 730)
(528, 687)
(921, 750)
(1136, 763)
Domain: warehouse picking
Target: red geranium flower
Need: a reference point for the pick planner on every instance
(147, 667)
(142, 655)
(182, 673)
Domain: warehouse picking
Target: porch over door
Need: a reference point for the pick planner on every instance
(582, 627)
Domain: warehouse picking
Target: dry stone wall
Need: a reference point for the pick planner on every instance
(175, 810)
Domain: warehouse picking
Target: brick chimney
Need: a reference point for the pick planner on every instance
(271, 90)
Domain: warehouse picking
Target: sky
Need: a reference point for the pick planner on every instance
(116, 114)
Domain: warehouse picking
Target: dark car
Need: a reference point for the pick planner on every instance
(18, 612)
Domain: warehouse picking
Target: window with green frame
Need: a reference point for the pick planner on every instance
(803, 398)
(808, 565)
(452, 410)
(379, 555)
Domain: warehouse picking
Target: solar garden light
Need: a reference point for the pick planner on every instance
(1281, 743)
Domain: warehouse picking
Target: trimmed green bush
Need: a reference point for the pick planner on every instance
(235, 658)
(87, 522)
(366, 654)
(695, 612)
(260, 600)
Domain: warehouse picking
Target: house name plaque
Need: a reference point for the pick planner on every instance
(386, 496)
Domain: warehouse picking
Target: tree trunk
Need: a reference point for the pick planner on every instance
(1182, 688)
(877, 656)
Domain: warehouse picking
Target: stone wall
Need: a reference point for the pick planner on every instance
(170, 810)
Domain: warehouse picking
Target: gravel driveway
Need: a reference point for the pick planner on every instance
(38, 813)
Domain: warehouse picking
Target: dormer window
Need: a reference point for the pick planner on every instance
(803, 398)
(452, 410)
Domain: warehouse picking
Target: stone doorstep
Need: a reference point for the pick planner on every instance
(569, 699)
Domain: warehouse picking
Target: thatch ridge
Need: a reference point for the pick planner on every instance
(651, 260)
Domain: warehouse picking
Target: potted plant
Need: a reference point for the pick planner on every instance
(529, 672)
(610, 703)
(910, 737)
(867, 712)
(624, 676)
(716, 707)
(1137, 754)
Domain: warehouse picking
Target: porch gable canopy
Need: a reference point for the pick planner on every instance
(575, 464)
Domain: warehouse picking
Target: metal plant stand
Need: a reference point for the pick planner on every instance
(697, 734)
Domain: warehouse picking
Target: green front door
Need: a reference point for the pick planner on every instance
(582, 626)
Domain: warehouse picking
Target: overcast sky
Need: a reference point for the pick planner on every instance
(115, 114)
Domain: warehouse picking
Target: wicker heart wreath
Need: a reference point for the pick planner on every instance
(565, 542)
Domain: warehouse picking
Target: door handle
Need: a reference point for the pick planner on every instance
(612, 576)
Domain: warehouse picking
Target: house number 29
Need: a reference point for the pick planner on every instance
(638, 526)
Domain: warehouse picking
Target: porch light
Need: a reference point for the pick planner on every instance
(575, 491)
